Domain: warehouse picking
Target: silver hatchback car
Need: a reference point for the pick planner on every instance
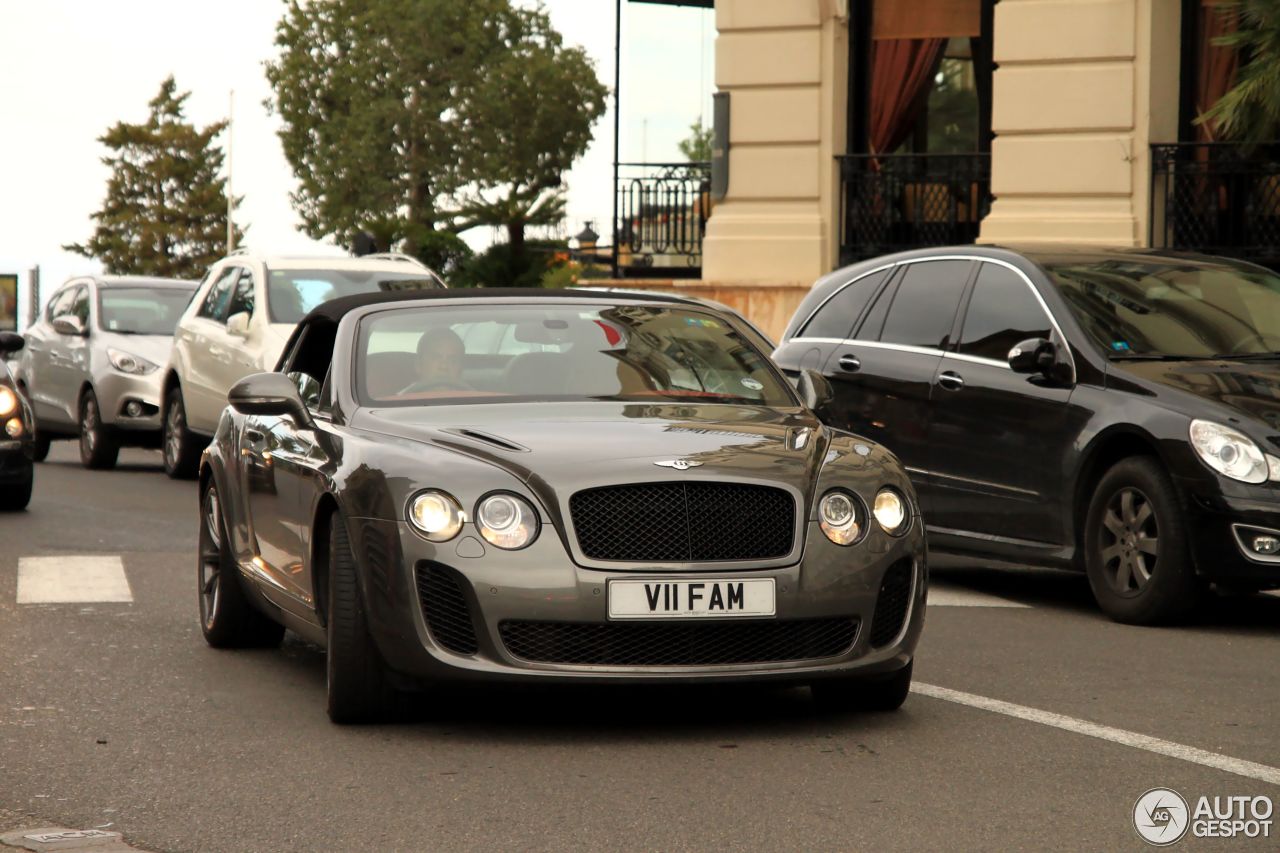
(92, 364)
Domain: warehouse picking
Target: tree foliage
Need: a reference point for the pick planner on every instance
(1249, 111)
(165, 212)
(414, 119)
(696, 147)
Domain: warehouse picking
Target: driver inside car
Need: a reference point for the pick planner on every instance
(439, 363)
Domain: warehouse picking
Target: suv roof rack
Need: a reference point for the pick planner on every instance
(242, 250)
(396, 256)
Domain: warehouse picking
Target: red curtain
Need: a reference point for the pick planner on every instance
(1216, 71)
(902, 72)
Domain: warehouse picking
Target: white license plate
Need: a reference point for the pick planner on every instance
(691, 599)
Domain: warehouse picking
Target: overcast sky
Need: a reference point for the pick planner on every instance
(71, 68)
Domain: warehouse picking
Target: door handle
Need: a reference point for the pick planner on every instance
(849, 363)
(950, 380)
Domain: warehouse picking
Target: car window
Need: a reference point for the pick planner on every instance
(219, 296)
(80, 305)
(242, 294)
(836, 316)
(924, 307)
(292, 293)
(141, 310)
(1002, 312)
(60, 303)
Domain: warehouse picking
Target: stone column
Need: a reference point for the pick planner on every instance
(1081, 89)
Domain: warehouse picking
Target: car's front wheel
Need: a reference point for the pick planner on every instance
(180, 449)
(40, 439)
(98, 447)
(865, 693)
(227, 619)
(16, 497)
(355, 677)
(1135, 546)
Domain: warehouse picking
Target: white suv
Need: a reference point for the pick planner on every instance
(238, 322)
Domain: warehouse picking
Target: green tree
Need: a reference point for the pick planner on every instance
(165, 212)
(696, 147)
(1249, 112)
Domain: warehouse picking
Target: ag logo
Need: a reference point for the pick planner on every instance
(1161, 817)
(678, 464)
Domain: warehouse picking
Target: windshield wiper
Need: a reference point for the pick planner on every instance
(1152, 356)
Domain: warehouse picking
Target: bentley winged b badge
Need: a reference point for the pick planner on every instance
(678, 464)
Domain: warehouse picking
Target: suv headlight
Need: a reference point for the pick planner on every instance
(1229, 452)
(891, 512)
(8, 401)
(436, 515)
(127, 362)
(842, 517)
(507, 521)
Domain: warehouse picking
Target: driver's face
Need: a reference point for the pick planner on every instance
(441, 359)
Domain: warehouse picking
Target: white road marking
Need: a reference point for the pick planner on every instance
(72, 580)
(1214, 760)
(951, 596)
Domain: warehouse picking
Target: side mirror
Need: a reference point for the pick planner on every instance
(815, 391)
(270, 394)
(11, 342)
(1034, 355)
(69, 324)
(238, 324)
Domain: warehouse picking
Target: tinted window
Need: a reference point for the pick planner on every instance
(218, 297)
(242, 295)
(925, 305)
(837, 315)
(1002, 312)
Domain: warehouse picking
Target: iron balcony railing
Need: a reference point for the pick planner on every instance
(1220, 198)
(662, 215)
(893, 202)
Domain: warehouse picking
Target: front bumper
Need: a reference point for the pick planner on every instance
(540, 585)
(115, 391)
(1213, 518)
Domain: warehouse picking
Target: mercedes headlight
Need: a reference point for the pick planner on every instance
(127, 362)
(436, 515)
(1229, 452)
(841, 517)
(890, 511)
(507, 521)
(8, 401)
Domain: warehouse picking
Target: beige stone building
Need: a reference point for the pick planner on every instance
(862, 127)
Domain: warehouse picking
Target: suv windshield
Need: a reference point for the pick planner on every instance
(292, 293)
(513, 353)
(141, 310)
(1136, 308)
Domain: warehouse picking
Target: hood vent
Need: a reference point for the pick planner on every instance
(490, 439)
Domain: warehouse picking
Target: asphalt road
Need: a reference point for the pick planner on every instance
(117, 716)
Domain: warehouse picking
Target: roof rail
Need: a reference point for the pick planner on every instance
(242, 250)
(396, 256)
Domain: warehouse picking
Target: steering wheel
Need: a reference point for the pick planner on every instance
(437, 385)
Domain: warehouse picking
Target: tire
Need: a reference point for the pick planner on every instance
(180, 449)
(1136, 551)
(355, 676)
(99, 449)
(40, 446)
(227, 618)
(15, 498)
(865, 693)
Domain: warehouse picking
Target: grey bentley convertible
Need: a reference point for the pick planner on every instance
(511, 484)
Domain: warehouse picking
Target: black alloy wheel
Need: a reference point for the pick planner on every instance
(178, 446)
(355, 677)
(865, 693)
(1136, 551)
(227, 618)
(99, 449)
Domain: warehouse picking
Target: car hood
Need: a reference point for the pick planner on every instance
(1250, 388)
(154, 348)
(584, 444)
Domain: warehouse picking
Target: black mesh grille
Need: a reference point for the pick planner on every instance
(444, 605)
(678, 643)
(684, 522)
(892, 604)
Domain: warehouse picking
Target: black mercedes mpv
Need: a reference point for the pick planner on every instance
(1115, 411)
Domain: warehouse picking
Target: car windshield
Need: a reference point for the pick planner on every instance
(510, 353)
(142, 310)
(292, 293)
(1171, 309)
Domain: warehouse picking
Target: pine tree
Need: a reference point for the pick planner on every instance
(165, 212)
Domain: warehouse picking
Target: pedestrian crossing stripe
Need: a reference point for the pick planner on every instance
(72, 580)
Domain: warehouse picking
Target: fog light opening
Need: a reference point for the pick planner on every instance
(133, 409)
(1265, 545)
(13, 428)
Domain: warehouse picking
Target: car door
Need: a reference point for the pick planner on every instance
(201, 339)
(831, 324)
(69, 359)
(997, 438)
(883, 377)
(42, 351)
(233, 343)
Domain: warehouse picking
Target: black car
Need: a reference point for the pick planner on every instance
(1115, 411)
(17, 449)
(552, 485)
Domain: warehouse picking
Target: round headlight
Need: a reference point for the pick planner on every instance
(840, 515)
(891, 511)
(507, 521)
(436, 515)
(8, 401)
(1229, 452)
